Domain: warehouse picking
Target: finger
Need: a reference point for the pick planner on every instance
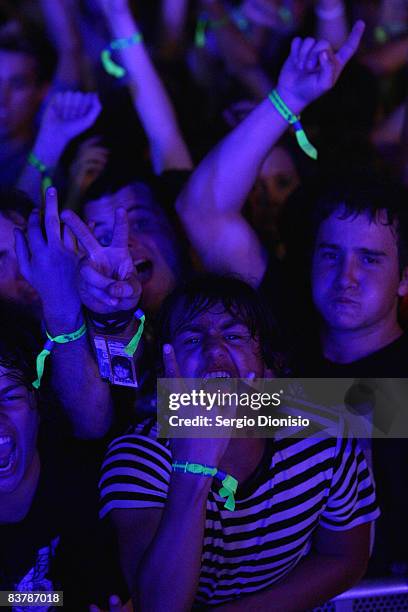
(120, 235)
(68, 239)
(171, 368)
(295, 49)
(34, 232)
(327, 74)
(114, 603)
(23, 254)
(312, 61)
(123, 289)
(101, 295)
(304, 50)
(81, 231)
(51, 218)
(346, 52)
(93, 277)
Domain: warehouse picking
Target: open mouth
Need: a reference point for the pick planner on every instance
(7, 453)
(144, 269)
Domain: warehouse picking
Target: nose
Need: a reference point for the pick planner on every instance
(347, 273)
(213, 347)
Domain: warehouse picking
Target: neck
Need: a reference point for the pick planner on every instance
(15, 506)
(347, 346)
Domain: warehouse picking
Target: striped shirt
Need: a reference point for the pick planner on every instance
(300, 484)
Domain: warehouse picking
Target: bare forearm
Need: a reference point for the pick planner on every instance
(62, 29)
(170, 571)
(314, 581)
(223, 180)
(85, 398)
(151, 101)
(48, 151)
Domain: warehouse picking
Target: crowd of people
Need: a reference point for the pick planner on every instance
(197, 189)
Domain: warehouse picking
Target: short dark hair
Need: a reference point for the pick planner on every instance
(204, 291)
(14, 200)
(370, 197)
(35, 45)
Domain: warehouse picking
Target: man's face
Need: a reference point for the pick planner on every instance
(20, 94)
(355, 274)
(151, 241)
(18, 431)
(217, 344)
(12, 285)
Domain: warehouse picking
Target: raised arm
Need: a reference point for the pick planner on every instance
(210, 205)
(62, 30)
(155, 110)
(48, 261)
(67, 115)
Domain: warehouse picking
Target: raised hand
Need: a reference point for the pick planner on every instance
(70, 113)
(48, 261)
(89, 163)
(312, 68)
(107, 279)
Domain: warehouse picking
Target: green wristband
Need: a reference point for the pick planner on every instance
(61, 339)
(294, 121)
(203, 25)
(36, 163)
(229, 483)
(118, 44)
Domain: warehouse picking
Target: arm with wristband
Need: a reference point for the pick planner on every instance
(126, 54)
(210, 204)
(48, 260)
(161, 548)
(67, 115)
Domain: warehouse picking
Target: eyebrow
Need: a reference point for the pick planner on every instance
(364, 250)
(135, 208)
(11, 388)
(197, 328)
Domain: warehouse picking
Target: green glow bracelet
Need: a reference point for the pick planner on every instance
(203, 24)
(62, 339)
(109, 65)
(294, 120)
(36, 163)
(134, 343)
(229, 483)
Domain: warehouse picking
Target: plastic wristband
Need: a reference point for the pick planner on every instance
(294, 120)
(203, 25)
(118, 44)
(62, 339)
(131, 348)
(329, 14)
(36, 163)
(229, 483)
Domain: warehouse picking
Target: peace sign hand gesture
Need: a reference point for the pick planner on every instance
(107, 278)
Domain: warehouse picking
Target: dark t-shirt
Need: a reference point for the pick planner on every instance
(61, 544)
(390, 456)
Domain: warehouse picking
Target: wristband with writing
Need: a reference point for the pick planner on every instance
(118, 44)
(229, 483)
(61, 339)
(294, 120)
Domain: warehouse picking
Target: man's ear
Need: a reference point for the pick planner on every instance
(403, 285)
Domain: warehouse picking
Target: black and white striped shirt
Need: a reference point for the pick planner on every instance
(301, 483)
